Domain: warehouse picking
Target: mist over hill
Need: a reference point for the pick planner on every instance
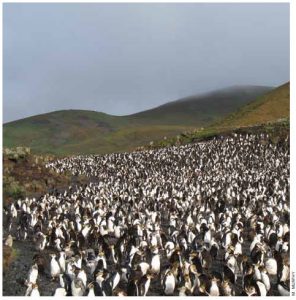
(81, 132)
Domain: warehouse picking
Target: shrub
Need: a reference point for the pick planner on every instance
(12, 188)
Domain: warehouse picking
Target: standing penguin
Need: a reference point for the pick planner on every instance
(35, 292)
(155, 263)
(169, 283)
(62, 261)
(214, 289)
(271, 266)
(60, 292)
(265, 278)
(227, 288)
(77, 287)
(9, 241)
(144, 284)
(54, 267)
(114, 280)
(132, 287)
(33, 275)
(283, 289)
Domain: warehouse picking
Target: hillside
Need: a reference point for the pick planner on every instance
(271, 107)
(78, 131)
(268, 113)
(203, 109)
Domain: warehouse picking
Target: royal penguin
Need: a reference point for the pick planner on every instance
(77, 287)
(9, 241)
(62, 261)
(60, 292)
(132, 287)
(55, 269)
(169, 283)
(144, 284)
(283, 289)
(33, 275)
(32, 290)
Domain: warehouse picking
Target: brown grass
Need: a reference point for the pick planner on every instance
(271, 107)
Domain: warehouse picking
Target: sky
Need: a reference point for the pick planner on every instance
(125, 58)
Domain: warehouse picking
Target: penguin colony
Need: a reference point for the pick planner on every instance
(204, 219)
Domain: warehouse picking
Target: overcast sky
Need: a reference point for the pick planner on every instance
(124, 58)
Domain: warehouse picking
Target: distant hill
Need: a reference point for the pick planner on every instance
(268, 113)
(202, 109)
(78, 131)
(271, 107)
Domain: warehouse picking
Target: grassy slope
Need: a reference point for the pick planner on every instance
(78, 131)
(269, 113)
(202, 109)
(271, 107)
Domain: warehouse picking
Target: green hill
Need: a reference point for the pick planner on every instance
(77, 131)
(268, 113)
(271, 107)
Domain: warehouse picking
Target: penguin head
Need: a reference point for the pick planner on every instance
(250, 290)
(225, 283)
(78, 283)
(90, 285)
(262, 269)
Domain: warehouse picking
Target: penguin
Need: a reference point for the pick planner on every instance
(106, 286)
(39, 260)
(114, 280)
(94, 289)
(250, 290)
(229, 274)
(257, 273)
(201, 291)
(271, 266)
(213, 288)
(144, 284)
(77, 287)
(262, 288)
(227, 288)
(35, 291)
(54, 267)
(30, 288)
(62, 262)
(183, 291)
(144, 267)
(265, 278)
(169, 283)
(91, 292)
(119, 292)
(33, 275)
(132, 287)
(155, 263)
(214, 250)
(125, 273)
(9, 241)
(196, 261)
(60, 292)
(187, 282)
(65, 282)
(283, 289)
(70, 269)
(82, 275)
(100, 278)
(206, 259)
(283, 273)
